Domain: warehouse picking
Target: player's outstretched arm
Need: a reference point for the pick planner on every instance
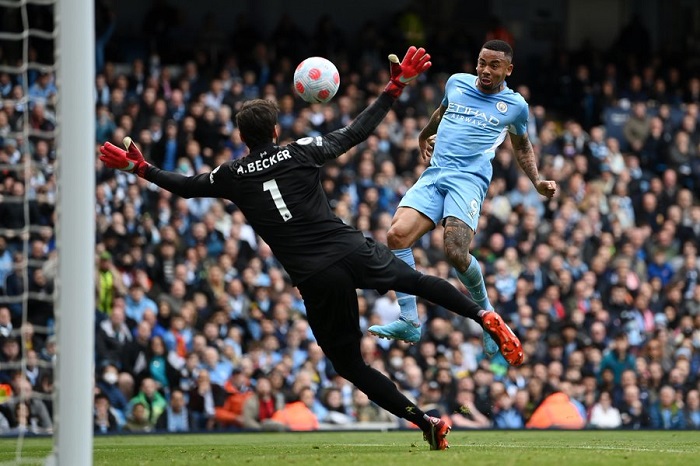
(131, 160)
(525, 155)
(415, 62)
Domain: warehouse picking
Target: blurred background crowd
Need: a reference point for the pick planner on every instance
(198, 327)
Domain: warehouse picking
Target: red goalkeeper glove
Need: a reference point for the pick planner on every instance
(130, 160)
(415, 62)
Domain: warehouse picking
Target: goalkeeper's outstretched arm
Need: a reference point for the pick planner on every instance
(415, 62)
(131, 161)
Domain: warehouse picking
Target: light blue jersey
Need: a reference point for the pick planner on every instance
(472, 128)
(475, 124)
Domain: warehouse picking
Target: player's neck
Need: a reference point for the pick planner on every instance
(489, 91)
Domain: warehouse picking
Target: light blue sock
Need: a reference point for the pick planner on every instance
(474, 281)
(407, 302)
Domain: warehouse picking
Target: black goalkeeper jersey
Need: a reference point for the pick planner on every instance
(278, 189)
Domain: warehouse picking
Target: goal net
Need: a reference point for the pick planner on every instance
(46, 228)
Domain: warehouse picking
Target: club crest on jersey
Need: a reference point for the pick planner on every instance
(318, 141)
(502, 107)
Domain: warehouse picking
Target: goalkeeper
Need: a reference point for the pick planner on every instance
(278, 189)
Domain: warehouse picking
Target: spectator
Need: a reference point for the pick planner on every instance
(230, 413)
(138, 420)
(6, 326)
(107, 384)
(692, 410)
(364, 411)
(507, 416)
(161, 365)
(259, 409)
(11, 357)
(104, 421)
(556, 411)
(204, 398)
(30, 413)
(135, 351)
(636, 129)
(26, 419)
(104, 125)
(4, 424)
(666, 413)
(113, 336)
(176, 417)
(151, 402)
(297, 415)
(660, 268)
(43, 90)
(219, 369)
(137, 303)
(467, 414)
(335, 409)
(109, 283)
(5, 264)
(618, 359)
(633, 413)
(604, 415)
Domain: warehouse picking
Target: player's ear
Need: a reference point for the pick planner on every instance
(276, 132)
(509, 69)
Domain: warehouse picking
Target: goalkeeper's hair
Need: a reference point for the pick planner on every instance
(256, 121)
(499, 46)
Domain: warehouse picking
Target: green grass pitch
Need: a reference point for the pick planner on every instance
(504, 448)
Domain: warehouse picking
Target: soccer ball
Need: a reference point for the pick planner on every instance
(316, 80)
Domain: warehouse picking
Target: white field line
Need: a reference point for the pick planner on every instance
(533, 446)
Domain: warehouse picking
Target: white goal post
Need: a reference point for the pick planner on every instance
(75, 313)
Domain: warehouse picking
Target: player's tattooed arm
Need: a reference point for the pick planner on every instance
(425, 139)
(432, 126)
(525, 155)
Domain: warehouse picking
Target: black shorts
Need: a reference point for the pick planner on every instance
(330, 296)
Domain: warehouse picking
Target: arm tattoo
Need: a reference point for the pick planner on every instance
(432, 126)
(525, 156)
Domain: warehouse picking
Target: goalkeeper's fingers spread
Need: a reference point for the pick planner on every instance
(107, 159)
(424, 66)
(110, 149)
(108, 146)
(423, 59)
(420, 57)
(409, 54)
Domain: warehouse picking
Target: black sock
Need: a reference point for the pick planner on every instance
(443, 293)
(347, 361)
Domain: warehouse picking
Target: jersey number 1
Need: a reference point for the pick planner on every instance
(271, 186)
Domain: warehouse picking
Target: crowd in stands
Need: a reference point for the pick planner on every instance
(198, 327)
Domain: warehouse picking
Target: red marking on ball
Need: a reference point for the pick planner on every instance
(323, 94)
(299, 87)
(314, 73)
(299, 66)
(336, 78)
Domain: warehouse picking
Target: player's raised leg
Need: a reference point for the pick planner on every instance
(380, 269)
(333, 314)
(442, 292)
(406, 227)
(458, 238)
(347, 361)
